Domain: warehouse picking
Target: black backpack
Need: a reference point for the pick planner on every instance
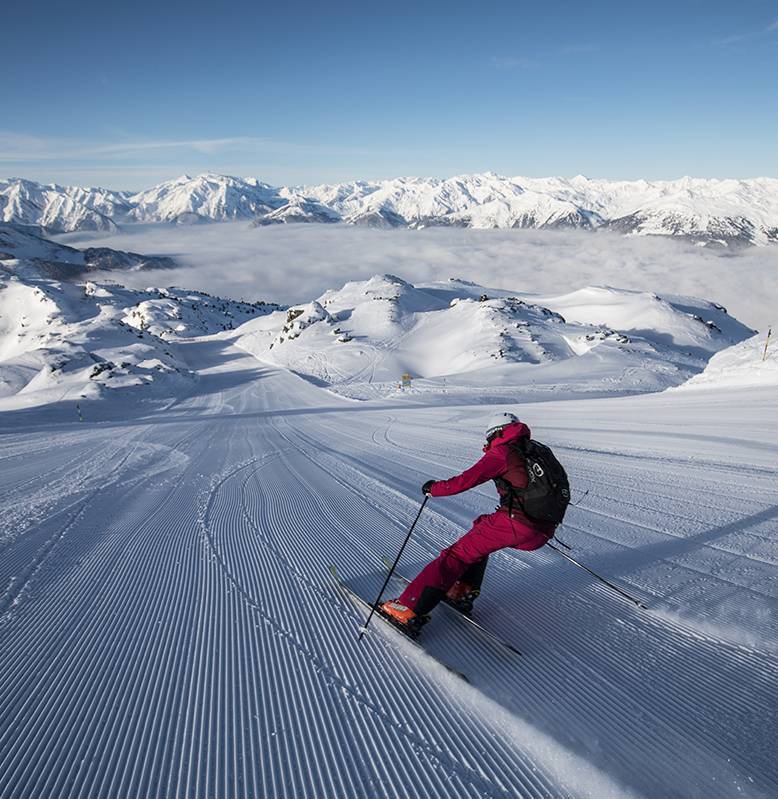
(547, 494)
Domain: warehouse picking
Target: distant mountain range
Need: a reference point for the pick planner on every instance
(703, 211)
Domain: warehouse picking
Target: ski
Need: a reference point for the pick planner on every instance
(493, 637)
(362, 602)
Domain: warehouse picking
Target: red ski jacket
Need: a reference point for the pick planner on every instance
(499, 460)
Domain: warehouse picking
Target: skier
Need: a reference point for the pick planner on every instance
(457, 573)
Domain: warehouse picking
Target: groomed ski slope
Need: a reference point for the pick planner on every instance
(168, 626)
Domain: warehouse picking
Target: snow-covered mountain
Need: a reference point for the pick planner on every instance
(460, 337)
(707, 211)
(21, 245)
(60, 339)
(481, 201)
(704, 211)
(61, 208)
(205, 198)
(359, 340)
(298, 209)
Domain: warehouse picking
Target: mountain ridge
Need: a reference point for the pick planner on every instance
(705, 211)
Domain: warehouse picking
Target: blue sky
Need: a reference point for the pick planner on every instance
(128, 94)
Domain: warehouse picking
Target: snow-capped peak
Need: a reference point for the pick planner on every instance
(704, 211)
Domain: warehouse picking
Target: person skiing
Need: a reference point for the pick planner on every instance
(457, 573)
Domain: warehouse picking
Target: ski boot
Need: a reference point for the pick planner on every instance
(461, 597)
(403, 618)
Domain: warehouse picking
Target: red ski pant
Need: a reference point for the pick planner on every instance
(489, 533)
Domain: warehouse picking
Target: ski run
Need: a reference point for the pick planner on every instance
(169, 627)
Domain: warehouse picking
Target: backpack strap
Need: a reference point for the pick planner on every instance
(515, 494)
(508, 490)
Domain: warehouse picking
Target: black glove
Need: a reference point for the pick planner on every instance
(426, 488)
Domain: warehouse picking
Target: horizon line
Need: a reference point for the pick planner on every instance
(491, 173)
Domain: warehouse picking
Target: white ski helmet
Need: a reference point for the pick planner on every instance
(499, 420)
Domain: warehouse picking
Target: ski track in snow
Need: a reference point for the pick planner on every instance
(168, 626)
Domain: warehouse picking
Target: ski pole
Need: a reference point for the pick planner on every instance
(601, 579)
(391, 571)
(578, 502)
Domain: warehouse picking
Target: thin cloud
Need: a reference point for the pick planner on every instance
(199, 145)
(18, 147)
(736, 38)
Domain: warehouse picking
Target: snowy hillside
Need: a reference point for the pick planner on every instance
(169, 626)
(204, 198)
(459, 337)
(705, 211)
(62, 339)
(58, 339)
(20, 245)
(297, 210)
(452, 338)
(745, 365)
(179, 475)
(60, 208)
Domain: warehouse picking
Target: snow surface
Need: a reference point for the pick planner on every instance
(168, 625)
(452, 338)
(705, 211)
(751, 363)
(207, 197)
(457, 338)
(61, 208)
(63, 340)
(174, 491)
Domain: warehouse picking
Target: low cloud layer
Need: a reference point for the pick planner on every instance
(297, 263)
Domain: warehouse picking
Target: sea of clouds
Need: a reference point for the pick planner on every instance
(297, 263)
